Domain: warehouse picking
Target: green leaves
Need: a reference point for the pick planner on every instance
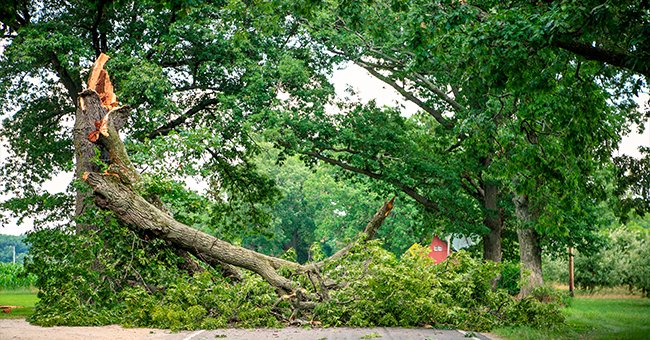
(411, 291)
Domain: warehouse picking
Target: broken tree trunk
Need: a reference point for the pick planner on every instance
(113, 189)
(88, 114)
(111, 193)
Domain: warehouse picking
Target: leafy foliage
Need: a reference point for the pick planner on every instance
(621, 260)
(411, 291)
(88, 279)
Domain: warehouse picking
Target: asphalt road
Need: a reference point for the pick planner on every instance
(20, 329)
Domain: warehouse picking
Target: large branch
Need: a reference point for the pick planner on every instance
(134, 210)
(614, 58)
(180, 120)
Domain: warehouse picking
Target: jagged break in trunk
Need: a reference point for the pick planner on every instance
(530, 251)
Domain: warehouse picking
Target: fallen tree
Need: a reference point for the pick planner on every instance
(115, 189)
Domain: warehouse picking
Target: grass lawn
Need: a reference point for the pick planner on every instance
(593, 318)
(21, 297)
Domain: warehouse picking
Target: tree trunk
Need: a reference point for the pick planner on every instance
(530, 251)
(494, 221)
(90, 112)
(85, 118)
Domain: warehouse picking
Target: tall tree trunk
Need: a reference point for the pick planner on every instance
(494, 221)
(530, 251)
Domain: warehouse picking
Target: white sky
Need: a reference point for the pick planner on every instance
(366, 88)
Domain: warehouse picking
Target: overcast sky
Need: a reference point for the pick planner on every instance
(366, 88)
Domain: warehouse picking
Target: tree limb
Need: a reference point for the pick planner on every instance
(437, 115)
(614, 58)
(71, 84)
(167, 128)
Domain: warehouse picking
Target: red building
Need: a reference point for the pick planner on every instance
(439, 250)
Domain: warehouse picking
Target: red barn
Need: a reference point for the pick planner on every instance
(439, 250)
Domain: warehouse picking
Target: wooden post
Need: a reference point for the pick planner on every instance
(571, 283)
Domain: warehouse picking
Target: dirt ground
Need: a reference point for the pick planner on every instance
(20, 329)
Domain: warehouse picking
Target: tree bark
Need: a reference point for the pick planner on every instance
(85, 118)
(494, 221)
(530, 251)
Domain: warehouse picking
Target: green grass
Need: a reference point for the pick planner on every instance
(19, 297)
(593, 318)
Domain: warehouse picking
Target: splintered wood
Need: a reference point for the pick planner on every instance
(101, 83)
(389, 206)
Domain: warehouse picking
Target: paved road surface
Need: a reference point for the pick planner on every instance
(20, 329)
